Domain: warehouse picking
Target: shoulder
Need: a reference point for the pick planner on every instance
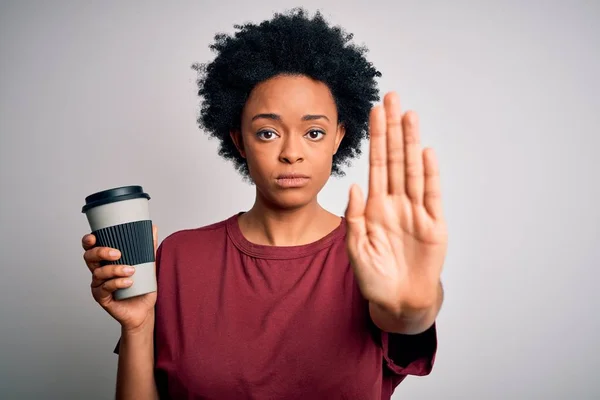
(200, 237)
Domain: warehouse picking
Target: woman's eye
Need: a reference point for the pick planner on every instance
(315, 134)
(266, 135)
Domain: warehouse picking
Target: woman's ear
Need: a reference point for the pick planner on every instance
(236, 136)
(339, 135)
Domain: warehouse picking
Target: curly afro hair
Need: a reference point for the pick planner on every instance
(288, 44)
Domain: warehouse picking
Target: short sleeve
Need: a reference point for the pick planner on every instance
(410, 354)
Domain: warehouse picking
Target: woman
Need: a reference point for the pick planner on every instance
(288, 300)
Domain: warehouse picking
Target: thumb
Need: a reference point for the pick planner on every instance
(355, 213)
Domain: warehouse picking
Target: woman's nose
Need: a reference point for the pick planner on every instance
(291, 152)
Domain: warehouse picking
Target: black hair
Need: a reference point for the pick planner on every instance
(290, 43)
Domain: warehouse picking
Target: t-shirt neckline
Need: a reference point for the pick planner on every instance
(280, 252)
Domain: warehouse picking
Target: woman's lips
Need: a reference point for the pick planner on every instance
(292, 180)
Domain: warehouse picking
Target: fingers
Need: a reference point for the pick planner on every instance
(355, 212)
(95, 255)
(432, 192)
(107, 279)
(395, 144)
(396, 161)
(355, 219)
(103, 293)
(88, 241)
(414, 158)
(377, 155)
(103, 274)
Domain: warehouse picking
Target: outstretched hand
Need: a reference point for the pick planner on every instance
(397, 239)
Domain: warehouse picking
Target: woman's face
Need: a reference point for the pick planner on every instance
(289, 134)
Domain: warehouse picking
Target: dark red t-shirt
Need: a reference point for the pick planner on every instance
(236, 320)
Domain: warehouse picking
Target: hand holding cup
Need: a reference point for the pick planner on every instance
(121, 252)
(131, 313)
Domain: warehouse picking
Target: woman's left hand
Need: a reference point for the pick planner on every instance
(397, 241)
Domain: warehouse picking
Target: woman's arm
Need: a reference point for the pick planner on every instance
(135, 376)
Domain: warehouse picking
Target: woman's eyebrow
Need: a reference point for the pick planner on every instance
(267, 116)
(311, 117)
(276, 117)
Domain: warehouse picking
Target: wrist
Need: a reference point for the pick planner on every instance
(144, 329)
(403, 322)
(410, 318)
(410, 309)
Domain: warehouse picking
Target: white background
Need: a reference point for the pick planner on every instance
(99, 94)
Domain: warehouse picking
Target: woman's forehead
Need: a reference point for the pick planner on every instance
(291, 97)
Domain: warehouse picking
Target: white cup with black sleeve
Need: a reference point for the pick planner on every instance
(120, 219)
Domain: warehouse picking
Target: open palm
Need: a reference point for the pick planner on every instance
(397, 240)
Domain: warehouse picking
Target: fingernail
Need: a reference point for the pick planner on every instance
(113, 253)
(129, 270)
(127, 282)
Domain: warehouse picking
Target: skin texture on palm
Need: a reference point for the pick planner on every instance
(397, 239)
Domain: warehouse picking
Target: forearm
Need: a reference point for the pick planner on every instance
(409, 322)
(135, 375)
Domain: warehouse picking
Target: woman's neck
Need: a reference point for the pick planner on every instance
(265, 225)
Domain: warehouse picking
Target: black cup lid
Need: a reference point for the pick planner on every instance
(113, 195)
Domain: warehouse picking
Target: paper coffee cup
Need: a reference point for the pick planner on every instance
(120, 218)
